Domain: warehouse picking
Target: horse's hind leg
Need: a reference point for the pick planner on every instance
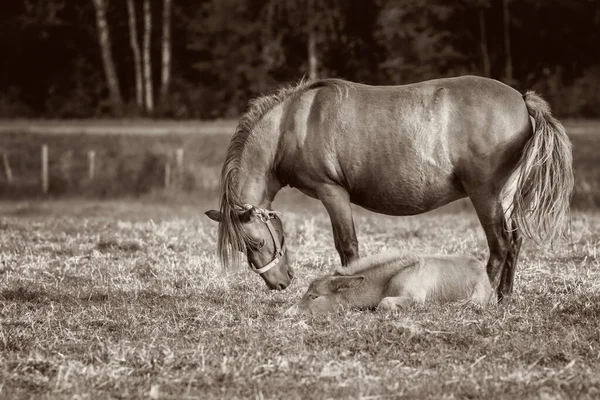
(491, 215)
(508, 273)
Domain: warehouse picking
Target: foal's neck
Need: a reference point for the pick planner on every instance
(380, 275)
(257, 181)
(375, 286)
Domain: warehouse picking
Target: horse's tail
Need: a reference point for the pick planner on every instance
(540, 208)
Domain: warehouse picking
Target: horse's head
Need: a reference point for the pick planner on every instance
(262, 241)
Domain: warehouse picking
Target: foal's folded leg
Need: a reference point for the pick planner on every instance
(393, 303)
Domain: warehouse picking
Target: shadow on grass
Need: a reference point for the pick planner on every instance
(39, 295)
(109, 244)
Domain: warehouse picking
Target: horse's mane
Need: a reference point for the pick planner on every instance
(362, 265)
(232, 237)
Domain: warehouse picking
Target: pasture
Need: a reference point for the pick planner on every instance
(126, 299)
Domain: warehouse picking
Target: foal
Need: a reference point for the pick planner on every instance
(393, 279)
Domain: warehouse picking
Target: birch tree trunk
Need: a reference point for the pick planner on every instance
(112, 79)
(508, 67)
(137, 57)
(166, 50)
(313, 62)
(149, 95)
(485, 55)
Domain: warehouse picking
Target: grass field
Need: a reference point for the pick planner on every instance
(127, 300)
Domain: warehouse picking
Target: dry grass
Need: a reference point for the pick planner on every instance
(126, 300)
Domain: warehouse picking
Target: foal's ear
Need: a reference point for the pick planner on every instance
(348, 282)
(214, 215)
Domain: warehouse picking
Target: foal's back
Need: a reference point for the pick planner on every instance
(442, 278)
(422, 278)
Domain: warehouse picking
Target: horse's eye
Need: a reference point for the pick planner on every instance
(313, 296)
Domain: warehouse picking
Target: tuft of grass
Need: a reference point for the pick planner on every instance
(127, 299)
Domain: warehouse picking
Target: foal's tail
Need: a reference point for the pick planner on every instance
(542, 198)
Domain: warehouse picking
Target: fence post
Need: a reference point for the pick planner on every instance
(167, 174)
(7, 170)
(45, 178)
(179, 159)
(179, 166)
(91, 164)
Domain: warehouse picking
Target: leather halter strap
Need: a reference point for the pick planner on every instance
(265, 216)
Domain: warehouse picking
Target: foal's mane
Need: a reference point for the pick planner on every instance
(363, 265)
(232, 237)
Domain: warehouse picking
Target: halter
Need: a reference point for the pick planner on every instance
(265, 216)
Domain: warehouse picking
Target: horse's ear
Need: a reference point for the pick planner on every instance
(214, 215)
(347, 282)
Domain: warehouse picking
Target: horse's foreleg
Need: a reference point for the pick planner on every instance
(337, 203)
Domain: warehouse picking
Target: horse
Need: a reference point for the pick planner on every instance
(396, 150)
(394, 279)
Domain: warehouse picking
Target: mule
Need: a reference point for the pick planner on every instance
(395, 150)
(394, 279)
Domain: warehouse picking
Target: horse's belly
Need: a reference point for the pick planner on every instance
(407, 197)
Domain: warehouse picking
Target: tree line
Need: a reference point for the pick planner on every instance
(207, 58)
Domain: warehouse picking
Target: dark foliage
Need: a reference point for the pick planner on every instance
(225, 52)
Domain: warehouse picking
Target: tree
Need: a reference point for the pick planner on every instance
(137, 58)
(485, 55)
(419, 39)
(43, 13)
(166, 50)
(104, 41)
(237, 49)
(316, 20)
(230, 65)
(148, 91)
(508, 65)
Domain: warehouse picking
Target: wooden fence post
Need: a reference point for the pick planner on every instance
(91, 164)
(7, 170)
(179, 166)
(45, 178)
(167, 174)
(179, 159)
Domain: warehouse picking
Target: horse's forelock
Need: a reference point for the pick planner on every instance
(233, 239)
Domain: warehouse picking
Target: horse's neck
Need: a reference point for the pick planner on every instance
(257, 181)
(257, 189)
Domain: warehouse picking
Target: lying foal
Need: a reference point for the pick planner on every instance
(395, 278)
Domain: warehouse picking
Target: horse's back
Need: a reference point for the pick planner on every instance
(408, 149)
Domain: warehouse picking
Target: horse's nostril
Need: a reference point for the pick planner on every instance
(280, 286)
